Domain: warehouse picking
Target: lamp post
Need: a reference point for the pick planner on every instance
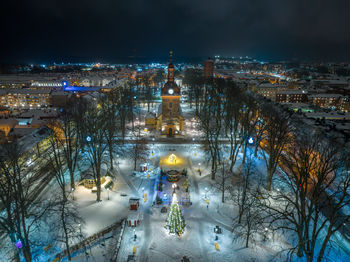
(108, 193)
(174, 187)
(73, 192)
(80, 229)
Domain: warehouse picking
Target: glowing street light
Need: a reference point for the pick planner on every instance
(88, 139)
(108, 193)
(73, 192)
(250, 141)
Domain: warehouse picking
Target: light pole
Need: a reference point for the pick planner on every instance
(108, 193)
(174, 187)
(80, 229)
(73, 192)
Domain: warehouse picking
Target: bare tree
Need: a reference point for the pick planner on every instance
(210, 117)
(111, 105)
(314, 191)
(21, 210)
(223, 179)
(61, 206)
(232, 115)
(139, 151)
(248, 223)
(247, 121)
(260, 124)
(94, 128)
(66, 138)
(275, 139)
(139, 147)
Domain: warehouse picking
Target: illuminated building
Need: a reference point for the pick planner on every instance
(25, 98)
(291, 96)
(169, 120)
(209, 68)
(332, 101)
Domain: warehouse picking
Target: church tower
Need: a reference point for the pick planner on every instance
(172, 121)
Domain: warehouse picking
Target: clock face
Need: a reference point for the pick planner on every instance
(171, 91)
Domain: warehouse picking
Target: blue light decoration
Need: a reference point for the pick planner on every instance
(88, 139)
(64, 84)
(250, 141)
(19, 244)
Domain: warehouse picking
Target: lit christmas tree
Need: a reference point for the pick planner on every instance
(175, 222)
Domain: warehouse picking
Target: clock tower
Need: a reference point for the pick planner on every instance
(172, 122)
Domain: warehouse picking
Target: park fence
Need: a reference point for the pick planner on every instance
(93, 238)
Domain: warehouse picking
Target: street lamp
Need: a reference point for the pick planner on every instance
(73, 192)
(88, 139)
(174, 187)
(80, 229)
(250, 141)
(108, 192)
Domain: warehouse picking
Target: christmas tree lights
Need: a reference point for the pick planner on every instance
(175, 222)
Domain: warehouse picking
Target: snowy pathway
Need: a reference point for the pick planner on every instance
(147, 212)
(127, 181)
(195, 204)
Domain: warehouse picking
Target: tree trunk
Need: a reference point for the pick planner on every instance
(66, 237)
(256, 149)
(71, 174)
(300, 251)
(324, 246)
(223, 185)
(135, 162)
(111, 154)
(27, 254)
(244, 153)
(213, 168)
(247, 237)
(98, 184)
(240, 215)
(269, 179)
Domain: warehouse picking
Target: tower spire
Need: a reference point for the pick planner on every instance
(171, 56)
(171, 68)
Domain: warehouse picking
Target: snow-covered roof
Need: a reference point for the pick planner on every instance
(26, 91)
(292, 92)
(39, 114)
(32, 136)
(326, 96)
(8, 122)
(331, 115)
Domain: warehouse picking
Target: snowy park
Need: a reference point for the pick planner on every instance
(184, 187)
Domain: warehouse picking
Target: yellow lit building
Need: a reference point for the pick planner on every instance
(169, 120)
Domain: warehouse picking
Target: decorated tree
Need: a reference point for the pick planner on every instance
(175, 222)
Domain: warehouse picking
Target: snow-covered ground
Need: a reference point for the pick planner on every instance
(198, 242)
(153, 243)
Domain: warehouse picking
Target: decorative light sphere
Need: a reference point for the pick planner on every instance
(172, 158)
(250, 141)
(171, 91)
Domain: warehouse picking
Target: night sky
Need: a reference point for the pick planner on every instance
(106, 30)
